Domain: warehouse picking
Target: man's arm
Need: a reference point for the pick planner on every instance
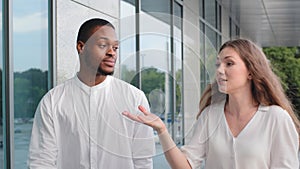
(43, 149)
(143, 142)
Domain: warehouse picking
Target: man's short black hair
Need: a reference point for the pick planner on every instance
(86, 29)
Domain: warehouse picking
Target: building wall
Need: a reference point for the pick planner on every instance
(225, 25)
(191, 60)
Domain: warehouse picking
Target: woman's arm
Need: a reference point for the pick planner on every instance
(174, 156)
(285, 143)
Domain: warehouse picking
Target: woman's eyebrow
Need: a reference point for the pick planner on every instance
(225, 57)
(228, 57)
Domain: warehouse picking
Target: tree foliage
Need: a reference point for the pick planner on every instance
(29, 88)
(286, 65)
(153, 79)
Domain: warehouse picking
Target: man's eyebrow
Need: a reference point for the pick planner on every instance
(103, 38)
(107, 39)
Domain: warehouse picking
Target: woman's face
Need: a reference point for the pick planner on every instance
(232, 74)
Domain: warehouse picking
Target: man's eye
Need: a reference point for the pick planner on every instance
(103, 46)
(116, 47)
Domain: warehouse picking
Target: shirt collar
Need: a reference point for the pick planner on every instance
(89, 89)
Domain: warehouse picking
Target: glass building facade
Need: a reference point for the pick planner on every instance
(167, 49)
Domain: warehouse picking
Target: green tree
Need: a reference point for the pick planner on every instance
(29, 88)
(286, 65)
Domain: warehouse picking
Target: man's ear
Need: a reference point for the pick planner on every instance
(80, 46)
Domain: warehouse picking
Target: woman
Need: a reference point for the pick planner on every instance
(245, 119)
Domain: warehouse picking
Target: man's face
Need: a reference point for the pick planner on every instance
(99, 53)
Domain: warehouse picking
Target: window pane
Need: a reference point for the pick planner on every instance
(219, 17)
(177, 45)
(156, 76)
(157, 8)
(201, 8)
(127, 50)
(1, 101)
(212, 36)
(210, 54)
(160, 69)
(210, 12)
(30, 53)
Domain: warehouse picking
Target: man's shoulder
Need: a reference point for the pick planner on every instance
(123, 84)
(59, 88)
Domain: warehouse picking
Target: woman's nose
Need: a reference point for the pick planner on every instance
(220, 69)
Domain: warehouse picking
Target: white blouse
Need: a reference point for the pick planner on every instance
(268, 141)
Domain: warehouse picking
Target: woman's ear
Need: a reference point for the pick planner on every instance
(80, 46)
(249, 76)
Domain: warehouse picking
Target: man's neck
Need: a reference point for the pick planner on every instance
(91, 80)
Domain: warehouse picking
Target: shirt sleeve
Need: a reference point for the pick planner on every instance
(195, 150)
(143, 147)
(42, 149)
(285, 144)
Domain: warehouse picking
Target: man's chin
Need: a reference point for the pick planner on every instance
(104, 73)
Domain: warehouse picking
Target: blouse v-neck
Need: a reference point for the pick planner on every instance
(244, 130)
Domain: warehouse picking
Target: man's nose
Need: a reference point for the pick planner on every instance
(111, 51)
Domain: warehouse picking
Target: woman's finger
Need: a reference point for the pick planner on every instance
(131, 116)
(142, 109)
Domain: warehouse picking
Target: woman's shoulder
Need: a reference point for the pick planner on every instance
(274, 112)
(213, 111)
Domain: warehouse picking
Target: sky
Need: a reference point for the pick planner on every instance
(30, 34)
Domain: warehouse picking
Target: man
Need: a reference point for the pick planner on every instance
(79, 124)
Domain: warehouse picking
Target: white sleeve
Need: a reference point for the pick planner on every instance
(285, 145)
(143, 146)
(195, 150)
(42, 149)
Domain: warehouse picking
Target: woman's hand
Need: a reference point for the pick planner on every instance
(149, 119)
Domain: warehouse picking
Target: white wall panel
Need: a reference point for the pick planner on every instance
(191, 57)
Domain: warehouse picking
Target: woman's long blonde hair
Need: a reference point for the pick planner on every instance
(266, 86)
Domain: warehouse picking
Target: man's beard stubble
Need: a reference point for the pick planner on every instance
(100, 71)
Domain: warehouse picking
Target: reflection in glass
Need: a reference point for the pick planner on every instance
(1, 101)
(127, 52)
(210, 54)
(154, 54)
(30, 53)
(177, 52)
(210, 13)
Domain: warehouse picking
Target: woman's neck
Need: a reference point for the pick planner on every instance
(240, 104)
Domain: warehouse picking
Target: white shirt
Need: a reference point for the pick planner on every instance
(81, 127)
(269, 141)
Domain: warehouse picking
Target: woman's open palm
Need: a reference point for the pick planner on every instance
(147, 118)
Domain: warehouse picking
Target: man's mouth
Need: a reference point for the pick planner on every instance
(109, 62)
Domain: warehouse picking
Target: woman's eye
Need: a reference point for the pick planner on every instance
(217, 64)
(229, 63)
